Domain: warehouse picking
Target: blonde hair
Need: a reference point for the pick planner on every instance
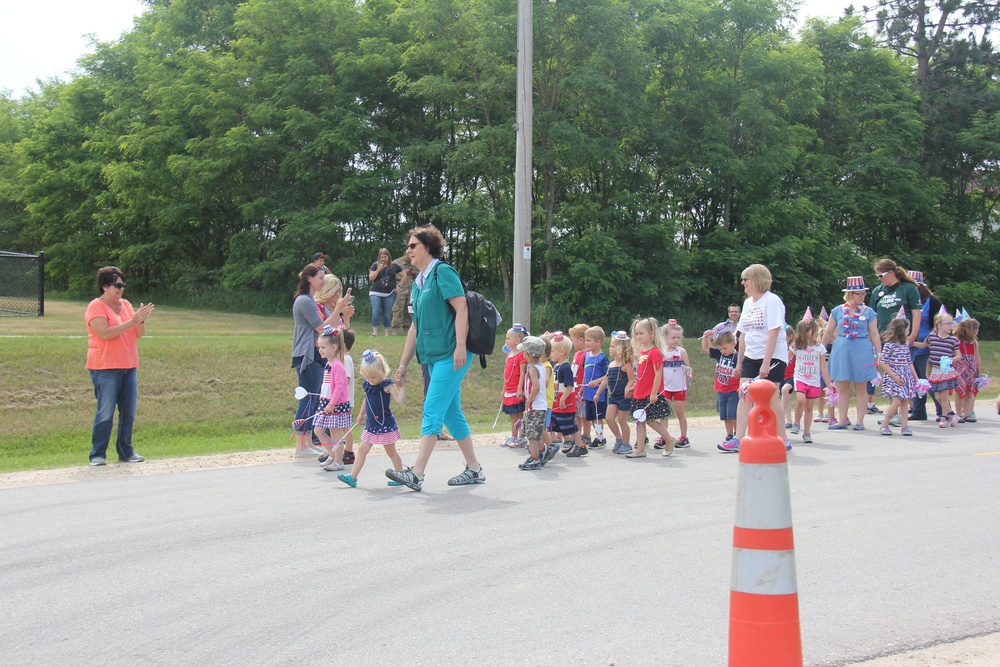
(376, 370)
(597, 333)
(565, 345)
(667, 328)
(331, 287)
(578, 330)
(939, 319)
(759, 276)
(626, 355)
(654, 332)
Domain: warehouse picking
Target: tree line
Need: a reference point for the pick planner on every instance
(218, 144)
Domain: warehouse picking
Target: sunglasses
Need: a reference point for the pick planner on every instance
(412, 246)
(880, 276)
(118, 285)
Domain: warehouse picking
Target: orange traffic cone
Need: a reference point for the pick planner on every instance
(763, 599)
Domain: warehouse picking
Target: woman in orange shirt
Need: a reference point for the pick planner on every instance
(113, 327)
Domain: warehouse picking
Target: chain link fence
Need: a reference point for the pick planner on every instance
(22, 284)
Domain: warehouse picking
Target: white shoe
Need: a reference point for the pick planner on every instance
(333, 466)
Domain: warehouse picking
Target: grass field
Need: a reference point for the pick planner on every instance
(209, 383)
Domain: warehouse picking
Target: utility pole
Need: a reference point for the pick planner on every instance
(522, 168)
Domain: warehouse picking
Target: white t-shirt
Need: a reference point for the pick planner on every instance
(757, 320)
(807, 368)
(349, 371)
(674, 375)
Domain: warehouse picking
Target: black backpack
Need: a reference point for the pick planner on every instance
(484, 318)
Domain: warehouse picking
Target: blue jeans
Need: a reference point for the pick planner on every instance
(443, 399)
(114, 387)
(311, 379)
(382, 309)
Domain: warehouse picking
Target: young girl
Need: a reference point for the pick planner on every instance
(968, 369)
(620, 381)
(676, 378)
(647, 344)
(380, 424)
(943, 357)
(513, 383)
(334, 416)
(810, 370)
(899, 383)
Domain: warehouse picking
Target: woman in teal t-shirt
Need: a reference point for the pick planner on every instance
(437, 337)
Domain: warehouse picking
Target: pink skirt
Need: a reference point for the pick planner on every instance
(390, 438)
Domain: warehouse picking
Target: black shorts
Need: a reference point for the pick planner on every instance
(751, 369)
(595, 411)
(564, 422)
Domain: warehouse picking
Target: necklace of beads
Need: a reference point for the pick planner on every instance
(851, 321)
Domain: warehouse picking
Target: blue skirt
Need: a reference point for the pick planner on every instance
(852, 360)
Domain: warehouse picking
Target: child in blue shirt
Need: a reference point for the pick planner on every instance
(595, 400)
(727, 377)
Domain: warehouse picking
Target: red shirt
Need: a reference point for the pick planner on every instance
(512, 380)
(646, 364)
(790, 368)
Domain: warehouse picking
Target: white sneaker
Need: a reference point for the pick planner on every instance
(98, 461)
(135, 458)
(333, 466)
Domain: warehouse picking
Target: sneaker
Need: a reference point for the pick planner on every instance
(567, 447)
(834, 426)
(943, 423)
(585, 439)
(618, 446)
(885, 430)
(509, 442)
(530, 464)
(316, 449)
(549, 454)
(971, 417)
(348, 479)
(961, 419)
(348, 458)
(826, 420)
(405, 477)
(819, 419)
(682, 443)
(518, 443)
(794, 430)
(467, 476)
(333, 466)
(577, 452)
(393, 482)
(896, 421)
(659, 444)
(732, 445)
(952, 419)
(98, 461)
(522, 442)
(324, 459)
(135, 458)
(905, 431)
(597, 443)
(788, 425)
(636, 455)
(873, 409)
(807, 438)
(788, 445)
(626, 448)
(305, 453)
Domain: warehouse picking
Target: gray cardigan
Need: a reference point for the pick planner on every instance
(307, 318)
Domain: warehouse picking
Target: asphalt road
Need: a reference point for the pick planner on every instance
(594, 561)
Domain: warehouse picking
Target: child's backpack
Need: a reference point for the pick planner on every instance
(484, 318)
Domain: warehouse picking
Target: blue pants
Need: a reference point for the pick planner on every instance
(382, 309)
(114, 387)
(310, 379)
(443, 400)
(919, 403)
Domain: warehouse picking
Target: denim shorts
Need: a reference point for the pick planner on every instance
(726, 402)
(620, 402)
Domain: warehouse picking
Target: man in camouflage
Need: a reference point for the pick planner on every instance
(400, 312)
